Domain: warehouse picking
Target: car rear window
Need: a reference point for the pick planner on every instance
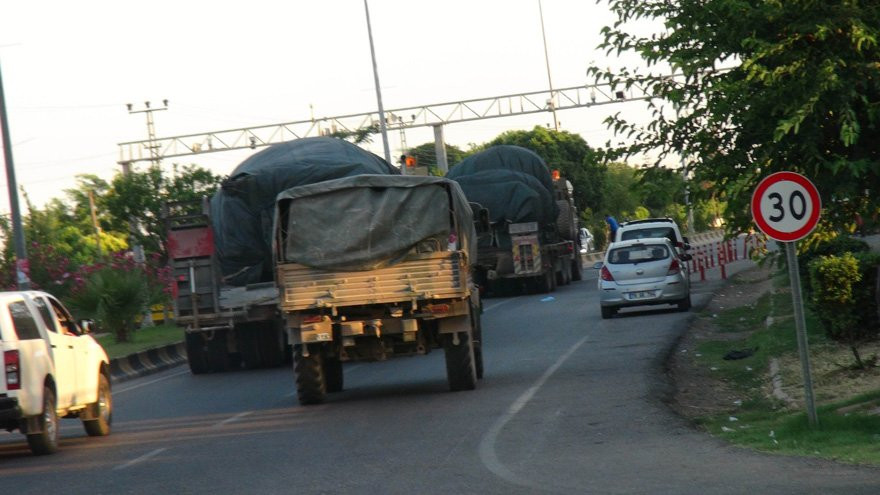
(23, 321)
(638, 254)
(649, 233)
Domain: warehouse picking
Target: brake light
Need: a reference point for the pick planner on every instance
(313, 319)
(674, 267)
(12, 366)
(606, 274)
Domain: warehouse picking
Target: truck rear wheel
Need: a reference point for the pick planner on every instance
(577, 268)
(217, 353)
(195, 353)
(46, 440)
(311, 386)
(333, 374)
(460, 368)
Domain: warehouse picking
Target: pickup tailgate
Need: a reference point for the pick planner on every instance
(427, 276)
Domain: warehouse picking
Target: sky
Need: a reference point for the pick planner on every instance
(70, 68)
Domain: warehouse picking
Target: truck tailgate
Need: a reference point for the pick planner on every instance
(420, 277)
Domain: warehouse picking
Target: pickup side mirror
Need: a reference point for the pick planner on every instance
(686, 257)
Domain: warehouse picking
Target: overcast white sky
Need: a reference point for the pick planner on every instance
(69, 68)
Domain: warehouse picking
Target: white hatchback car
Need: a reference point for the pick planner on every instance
(642, 272)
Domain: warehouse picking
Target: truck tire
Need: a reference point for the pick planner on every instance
(333, 374)
(547, 282)
(311, 386)
(565, 224)
(271, 345)
(477, 325)
(460, 368)
(577, 268)
(217, 353)
(196, 354)
(101, 411)
(46, 441)
(248, 343)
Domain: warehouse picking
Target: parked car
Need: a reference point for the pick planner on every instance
(651, 228)
(52, 369)
(585, 240)
(642, 272)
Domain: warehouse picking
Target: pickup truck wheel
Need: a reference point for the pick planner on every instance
(101, 410)
(46, 441)
(460, 369)
(311, 386)
(333, 374)
(195, 353)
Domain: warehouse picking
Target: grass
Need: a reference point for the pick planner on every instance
(142, 339)
(764, 423)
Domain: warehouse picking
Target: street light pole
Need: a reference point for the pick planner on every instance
(382, 124)
(547, 63)
(21, 263)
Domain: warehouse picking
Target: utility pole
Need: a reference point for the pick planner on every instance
(547, 62)
(155, 158)
(382, 125)
(21, 260)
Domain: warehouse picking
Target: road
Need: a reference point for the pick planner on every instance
(570, 403)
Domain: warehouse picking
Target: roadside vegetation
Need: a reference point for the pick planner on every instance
(750, 351)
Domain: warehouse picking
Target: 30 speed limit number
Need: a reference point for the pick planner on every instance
(786, 206)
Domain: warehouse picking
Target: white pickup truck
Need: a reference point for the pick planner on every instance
(51, 369)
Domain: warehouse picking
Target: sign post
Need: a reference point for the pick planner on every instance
(786, 206)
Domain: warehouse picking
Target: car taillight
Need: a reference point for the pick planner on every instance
(674, 267)
(11, 364)
(605, 274)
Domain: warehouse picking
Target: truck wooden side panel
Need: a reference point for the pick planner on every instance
(427, 276)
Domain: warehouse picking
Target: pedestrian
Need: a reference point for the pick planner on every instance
(612, 227)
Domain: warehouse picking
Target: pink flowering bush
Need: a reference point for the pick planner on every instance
(116, 292)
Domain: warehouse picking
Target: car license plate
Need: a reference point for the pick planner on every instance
(641, 294)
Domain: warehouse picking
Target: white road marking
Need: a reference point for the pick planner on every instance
(487, 444)
(139, 385)
(142, 458)
(234, 418)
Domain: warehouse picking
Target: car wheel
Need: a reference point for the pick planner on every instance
(685, 304)
(46, 441)
(101, 410)
(608, 312)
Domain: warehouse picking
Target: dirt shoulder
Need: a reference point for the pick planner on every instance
(697, 391)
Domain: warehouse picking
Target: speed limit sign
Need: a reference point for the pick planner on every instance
(786, 205)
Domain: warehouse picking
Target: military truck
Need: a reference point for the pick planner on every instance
(532, 243)
(373, 267)
(220, 252)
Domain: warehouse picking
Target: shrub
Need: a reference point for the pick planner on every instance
(834, 246)
(115, 294)
(839, 299)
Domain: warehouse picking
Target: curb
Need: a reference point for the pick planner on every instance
(146, 362)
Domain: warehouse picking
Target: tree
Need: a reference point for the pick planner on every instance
(800, 90)
(426, 155)
(139, 196)
(568, 153)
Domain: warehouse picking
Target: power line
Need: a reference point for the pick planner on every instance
(398, 119)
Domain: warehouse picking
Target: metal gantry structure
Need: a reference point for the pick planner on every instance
(401, 119)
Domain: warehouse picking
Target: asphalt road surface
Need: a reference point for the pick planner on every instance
(570, 403)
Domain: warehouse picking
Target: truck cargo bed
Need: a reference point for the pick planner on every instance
(420, 277)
